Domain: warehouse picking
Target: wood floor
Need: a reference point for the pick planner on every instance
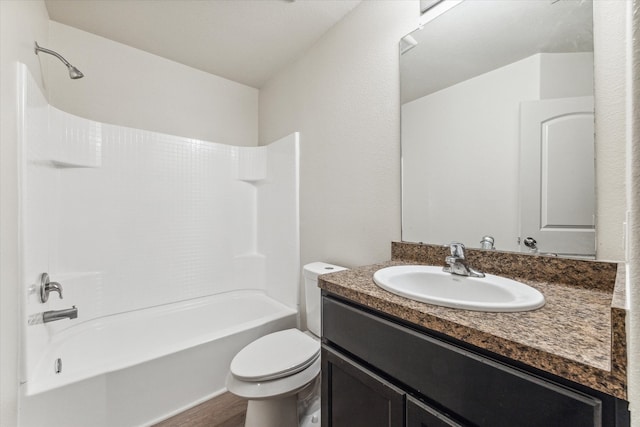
(225, 410)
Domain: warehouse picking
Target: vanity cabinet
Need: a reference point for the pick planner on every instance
(379, 371)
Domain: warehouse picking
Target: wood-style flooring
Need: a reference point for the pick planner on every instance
(225, 410)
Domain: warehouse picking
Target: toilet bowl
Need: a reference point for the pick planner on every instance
(271, 371)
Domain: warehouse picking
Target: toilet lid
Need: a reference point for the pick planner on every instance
(275, 356)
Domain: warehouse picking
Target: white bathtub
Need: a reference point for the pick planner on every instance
(140, 367)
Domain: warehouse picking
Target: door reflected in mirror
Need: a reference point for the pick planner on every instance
(497, 127)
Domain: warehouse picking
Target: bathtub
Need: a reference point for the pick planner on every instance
(140, 367)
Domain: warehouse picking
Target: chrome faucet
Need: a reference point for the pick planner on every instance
(53, 315)
(487, 242)
(457, 264)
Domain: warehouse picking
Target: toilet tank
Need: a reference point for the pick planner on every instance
(312, 292)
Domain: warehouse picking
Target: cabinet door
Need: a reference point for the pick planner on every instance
(421, 415)
(352, 396)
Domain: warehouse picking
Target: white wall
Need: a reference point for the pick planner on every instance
(565, 75)
(609, 26)
(130, 87)
(343, 97)
(613, 173)
(21, 23)
(633, 194)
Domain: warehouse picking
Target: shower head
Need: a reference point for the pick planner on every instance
(74, 73)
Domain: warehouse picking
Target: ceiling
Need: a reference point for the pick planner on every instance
(247, 41)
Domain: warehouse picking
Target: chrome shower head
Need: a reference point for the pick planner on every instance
(74, 73)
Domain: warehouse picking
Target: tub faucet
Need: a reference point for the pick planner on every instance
(457, 264)
(53, 315)
(46, 287)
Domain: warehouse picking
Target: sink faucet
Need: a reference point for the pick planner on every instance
(487, 242)
(457, 264)
(53, 315)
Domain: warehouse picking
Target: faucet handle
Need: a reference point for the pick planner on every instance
(457, 249)
(47, 287)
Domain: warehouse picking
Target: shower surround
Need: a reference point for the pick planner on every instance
(176, 252)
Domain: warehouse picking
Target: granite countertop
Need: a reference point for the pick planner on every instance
(579, 334)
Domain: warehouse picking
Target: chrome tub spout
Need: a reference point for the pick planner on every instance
(53, 315)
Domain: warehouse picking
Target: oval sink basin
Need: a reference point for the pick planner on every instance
(432, 285)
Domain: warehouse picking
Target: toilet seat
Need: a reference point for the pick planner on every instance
(275, 388)
(274, 356)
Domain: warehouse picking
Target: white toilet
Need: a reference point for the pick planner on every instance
(273, 369)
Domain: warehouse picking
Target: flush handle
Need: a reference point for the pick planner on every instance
(46, 287)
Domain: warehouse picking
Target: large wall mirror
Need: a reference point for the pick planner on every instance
(497, 126)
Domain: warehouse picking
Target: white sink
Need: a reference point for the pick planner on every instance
(431, 285)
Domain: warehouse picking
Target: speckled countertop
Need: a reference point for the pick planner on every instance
(579, 334)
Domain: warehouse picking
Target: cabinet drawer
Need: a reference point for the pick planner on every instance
(479, 390)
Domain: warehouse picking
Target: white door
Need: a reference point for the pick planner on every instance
(557, 175)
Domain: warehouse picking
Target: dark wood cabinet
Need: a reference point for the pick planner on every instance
(373, 365)
(356, 397)
(419, 414)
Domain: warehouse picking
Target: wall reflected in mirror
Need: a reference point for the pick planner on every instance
(497, 126)
(425, 5)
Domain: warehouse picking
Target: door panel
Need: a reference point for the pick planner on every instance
(557, 175)
(352, 396)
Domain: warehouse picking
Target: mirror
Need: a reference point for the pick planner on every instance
(497, 126)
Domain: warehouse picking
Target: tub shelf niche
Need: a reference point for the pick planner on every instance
(252, 164)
